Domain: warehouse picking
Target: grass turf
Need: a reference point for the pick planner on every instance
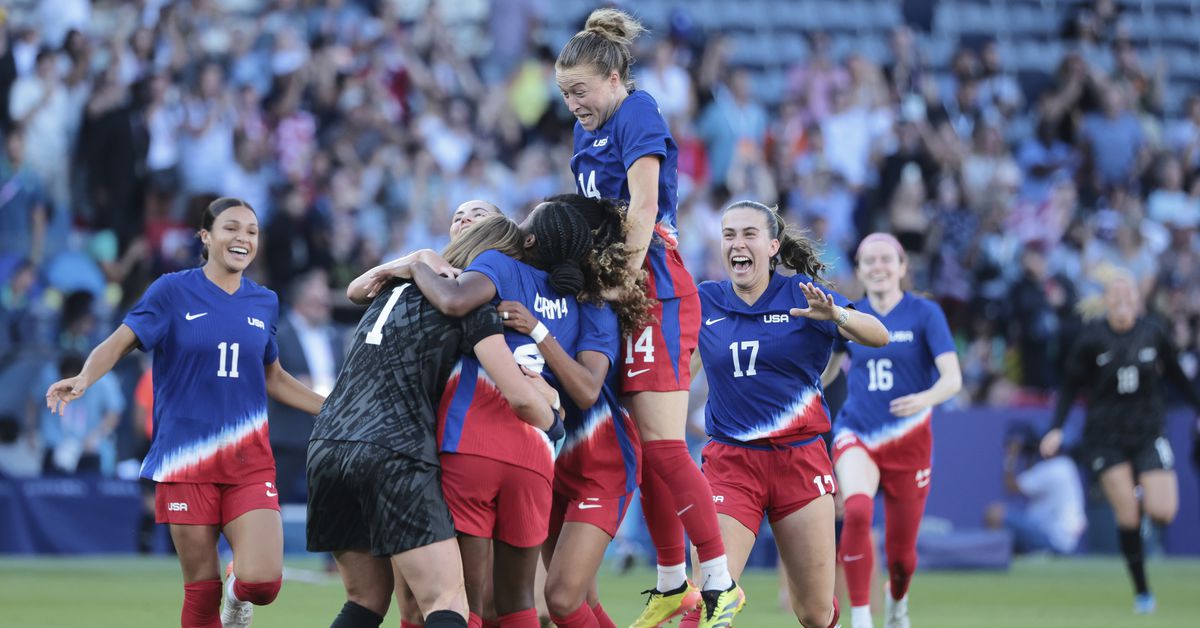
(121, 591)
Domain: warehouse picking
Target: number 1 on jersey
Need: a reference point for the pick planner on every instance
(233, 348)
(375, 336)
(644, 346)
(879, 374)
(589, 189)
(752, 345)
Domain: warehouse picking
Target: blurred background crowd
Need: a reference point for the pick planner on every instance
(1019, 149)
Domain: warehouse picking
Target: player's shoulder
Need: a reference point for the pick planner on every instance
(492, 258)
(597, 314)
(639, 108)
(714, 291)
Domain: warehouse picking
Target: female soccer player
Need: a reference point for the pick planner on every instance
(496, 472)
(597, 470)
(623, 150)
(210, 454)
(1119, 364)
(374, 492)
(883, 437)
(765, 340)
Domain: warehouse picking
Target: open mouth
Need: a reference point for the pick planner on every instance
(741, 263)
(584, 118)
(239, 253)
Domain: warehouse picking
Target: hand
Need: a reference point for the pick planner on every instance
(908, 405)
(1051, 443)
(548, 392)
(64, 391)
(820, 304)
(516, 317)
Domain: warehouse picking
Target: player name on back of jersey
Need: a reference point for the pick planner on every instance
(550, 308)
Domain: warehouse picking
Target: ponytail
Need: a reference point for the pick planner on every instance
(796, 250)
(605, 43)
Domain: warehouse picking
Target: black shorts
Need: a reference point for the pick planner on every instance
(364, 497)
(1145, 455)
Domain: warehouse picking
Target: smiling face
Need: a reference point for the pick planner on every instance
(233, 240)
(880, 267)
(747, 248)
(591, 97)
(468, 214)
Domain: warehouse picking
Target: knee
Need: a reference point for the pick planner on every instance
(444, 599)
(815, 615)
(1162, 514)
(562, 598)
(257, 593)
(859, 511)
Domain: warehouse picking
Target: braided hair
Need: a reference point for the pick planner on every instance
(608, 275)
(563, 244)
(796, 250)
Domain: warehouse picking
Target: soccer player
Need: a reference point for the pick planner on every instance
(212, 334)
(623, 150)
(1119, 364)
(497, 472)
(883, 436)
(765, 340)
(374, 492)
(597, 470)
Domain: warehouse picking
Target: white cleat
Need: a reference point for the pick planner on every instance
(895, 611)
(234, 613)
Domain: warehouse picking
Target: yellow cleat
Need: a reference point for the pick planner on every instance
(720, 607)
(663, 607)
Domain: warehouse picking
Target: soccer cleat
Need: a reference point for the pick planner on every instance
(720, 607)
(1144, 604)
(663, 607)
(234, 614)
(895, 612)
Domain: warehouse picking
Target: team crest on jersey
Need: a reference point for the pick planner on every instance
(600, 142)
(550, 308)
(776, 318)
(901, 336)
(254, 322)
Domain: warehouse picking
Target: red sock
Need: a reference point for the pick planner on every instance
(581, 618)
(257, 593)
(837, 613)
(903, 517)
(602, 618)
(692, 496)
(691, 619)
(858, 557)
(201, 604)
(666, 532)
(527, 618)
(474, 621)
(409, 624)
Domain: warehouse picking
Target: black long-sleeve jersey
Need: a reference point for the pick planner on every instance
(1122, 377)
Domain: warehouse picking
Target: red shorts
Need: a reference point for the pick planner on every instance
(496, 500)
(605, 513)
(211, 504)
(658, 357)
(748, 482)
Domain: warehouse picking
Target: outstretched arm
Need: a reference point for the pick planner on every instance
(852, 324)
(99, 362)
(453, 296)
(367, 285)
(286, 389)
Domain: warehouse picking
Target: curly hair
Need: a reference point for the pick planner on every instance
(606, 270)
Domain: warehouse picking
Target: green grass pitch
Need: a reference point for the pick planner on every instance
(102, 592)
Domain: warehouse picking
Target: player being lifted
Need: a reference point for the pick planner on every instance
(883, 436)
(375, 496)
(1119, 364)
(212, 334)
(623, 150)
(765, 340)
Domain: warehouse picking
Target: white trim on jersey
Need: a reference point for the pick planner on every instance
(891, 432)
(196, 454)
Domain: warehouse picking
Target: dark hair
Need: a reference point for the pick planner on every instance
(563, 244)
(216, 208)
(605, 43)
(796, 250)
(607, 269)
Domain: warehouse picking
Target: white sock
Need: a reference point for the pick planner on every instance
(860, 617)
(229, 588)
(900, 606)
(671, 577)
(715, 574)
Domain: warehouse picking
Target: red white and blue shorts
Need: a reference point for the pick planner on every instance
(658, 356)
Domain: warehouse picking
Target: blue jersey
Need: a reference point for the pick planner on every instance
(763, 365)
(600, 457)
(474, 417)
(210, 392)
(919, 334)
(601, 165)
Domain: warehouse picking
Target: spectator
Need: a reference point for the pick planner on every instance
(1042, 158)
(40, 105)
(1052, 519)
(1114, 141)
(734, 126)
(669, 84)
(23, 203)
(81, 440)
(814, 84)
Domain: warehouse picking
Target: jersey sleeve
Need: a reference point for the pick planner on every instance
(150, 317)
(497, 267)
(937, 331)
(480, 323)
(641, 131)
(599, 331)
(271, 352)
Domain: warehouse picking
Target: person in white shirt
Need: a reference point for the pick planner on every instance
(1053, 518)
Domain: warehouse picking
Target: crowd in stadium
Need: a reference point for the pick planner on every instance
(356, 130)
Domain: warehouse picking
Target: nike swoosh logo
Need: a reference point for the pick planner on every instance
(715, 320)
(853, 558)
(636, 373)
(192, 317)
(270, 494)
(685, 509)
(587, 506)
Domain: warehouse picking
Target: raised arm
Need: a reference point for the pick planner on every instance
(286, 389)
(453, 296)
(643, 207)
(99, 362)
(367, 285)
(581, 377)
(852, 324)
